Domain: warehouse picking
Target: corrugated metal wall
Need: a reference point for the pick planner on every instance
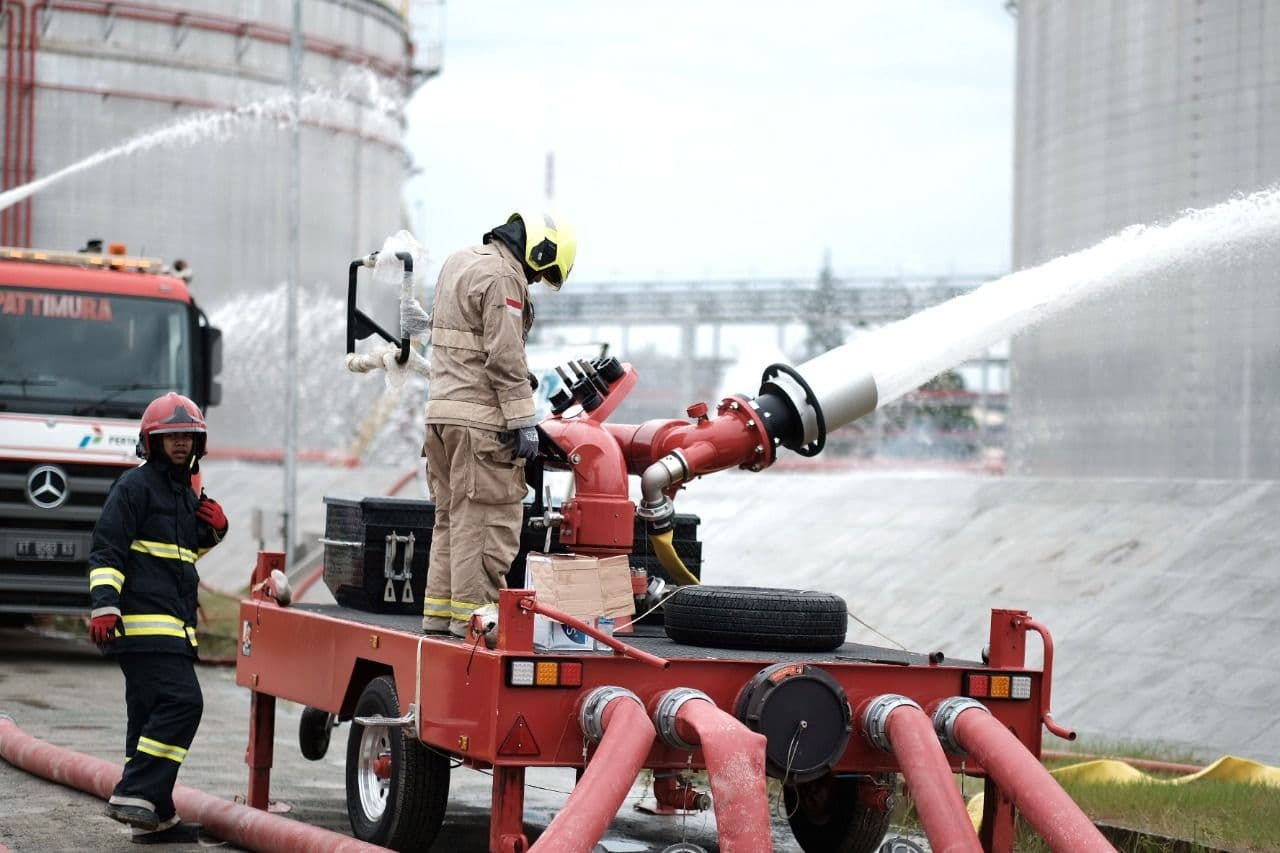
(1129, 111)
(105, 72)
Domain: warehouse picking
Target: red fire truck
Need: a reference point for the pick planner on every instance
(87, 339)
(745, 683)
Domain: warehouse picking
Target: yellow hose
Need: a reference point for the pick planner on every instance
(670, 560)
(1229, 768)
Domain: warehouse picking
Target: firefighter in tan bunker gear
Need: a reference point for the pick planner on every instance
(481, 418)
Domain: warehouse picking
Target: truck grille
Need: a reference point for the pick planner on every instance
(55, 582)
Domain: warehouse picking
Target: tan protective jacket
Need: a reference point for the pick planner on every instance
(480, 320)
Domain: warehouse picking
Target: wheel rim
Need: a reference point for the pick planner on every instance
(375, 744)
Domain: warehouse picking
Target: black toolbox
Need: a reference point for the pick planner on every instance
(376, 551)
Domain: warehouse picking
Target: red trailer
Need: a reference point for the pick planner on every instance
(836, 728)
(747, 684)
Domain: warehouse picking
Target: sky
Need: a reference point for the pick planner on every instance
(717, 139)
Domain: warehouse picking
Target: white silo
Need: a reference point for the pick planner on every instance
(1132, 111)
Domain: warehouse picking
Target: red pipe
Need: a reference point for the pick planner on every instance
(28, 83)
(673, 793)
(532, 603)
(13, 95)
(240, 825)
(735, 765)
(1139, 763)
(929, 780)
(737, 437)
(1047, 639)
(8, 17)
(1021, 776)
(579, 826)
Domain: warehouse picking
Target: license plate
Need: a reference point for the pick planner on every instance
(46, 549)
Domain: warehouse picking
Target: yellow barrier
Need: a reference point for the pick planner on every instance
(1229, 768)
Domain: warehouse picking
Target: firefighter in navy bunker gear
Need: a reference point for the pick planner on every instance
(143, 588)
(481, 414)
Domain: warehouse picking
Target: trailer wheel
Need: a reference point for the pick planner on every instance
(826, 816)
(314, 728)
(397, 789)
(743, 617)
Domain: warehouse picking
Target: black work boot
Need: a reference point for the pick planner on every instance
(139, 817)
(175, 833)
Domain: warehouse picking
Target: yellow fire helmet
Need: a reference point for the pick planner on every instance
(550, 245)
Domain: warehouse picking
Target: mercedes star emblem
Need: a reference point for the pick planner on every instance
(47, 486)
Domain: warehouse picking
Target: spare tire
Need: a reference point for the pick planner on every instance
(745, 617)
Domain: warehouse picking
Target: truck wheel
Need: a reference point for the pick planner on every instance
(744, 617)
(397, 788)
(314, 729)
(827, 817)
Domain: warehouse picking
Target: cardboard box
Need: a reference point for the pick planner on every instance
(592, 589)
(584, 587)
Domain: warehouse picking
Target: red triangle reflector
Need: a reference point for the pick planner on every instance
(519, 741)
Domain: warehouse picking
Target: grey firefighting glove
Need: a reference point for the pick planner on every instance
(527, 442)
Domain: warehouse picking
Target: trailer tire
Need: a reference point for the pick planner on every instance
(826, 817)
(314, 729)
(397, 788)
(744, 617)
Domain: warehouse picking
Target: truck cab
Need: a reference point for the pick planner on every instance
(87, 340)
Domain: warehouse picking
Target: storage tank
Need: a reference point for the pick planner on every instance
(88, 76)
(1130, 111)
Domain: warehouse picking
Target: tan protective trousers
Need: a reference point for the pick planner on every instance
(478, 485)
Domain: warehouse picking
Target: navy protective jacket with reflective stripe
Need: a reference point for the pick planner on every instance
(142, 566)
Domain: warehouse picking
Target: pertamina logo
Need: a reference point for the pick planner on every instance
(94, 437)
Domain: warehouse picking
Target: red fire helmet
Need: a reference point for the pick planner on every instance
(171, 413)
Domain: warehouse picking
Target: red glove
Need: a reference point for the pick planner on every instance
(211, 514)
(102, 629)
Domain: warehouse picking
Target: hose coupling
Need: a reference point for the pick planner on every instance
(664, 715)
(655, 513)
(655, 507)
(944, 720)
(875, 719)
(591, 712)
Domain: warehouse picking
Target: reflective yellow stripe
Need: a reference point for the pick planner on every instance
(164, 550)
(457, 339)
(154, 625)
(105, 576)
(436, 607)
(461, 610)
(191, 636)
(161, 750)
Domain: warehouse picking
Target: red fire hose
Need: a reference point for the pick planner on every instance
(1020, 775)
(735, 758)
(249, 828)
(627, 737)
(942, 810)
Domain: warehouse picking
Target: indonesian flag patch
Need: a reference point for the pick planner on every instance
(515, 307)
